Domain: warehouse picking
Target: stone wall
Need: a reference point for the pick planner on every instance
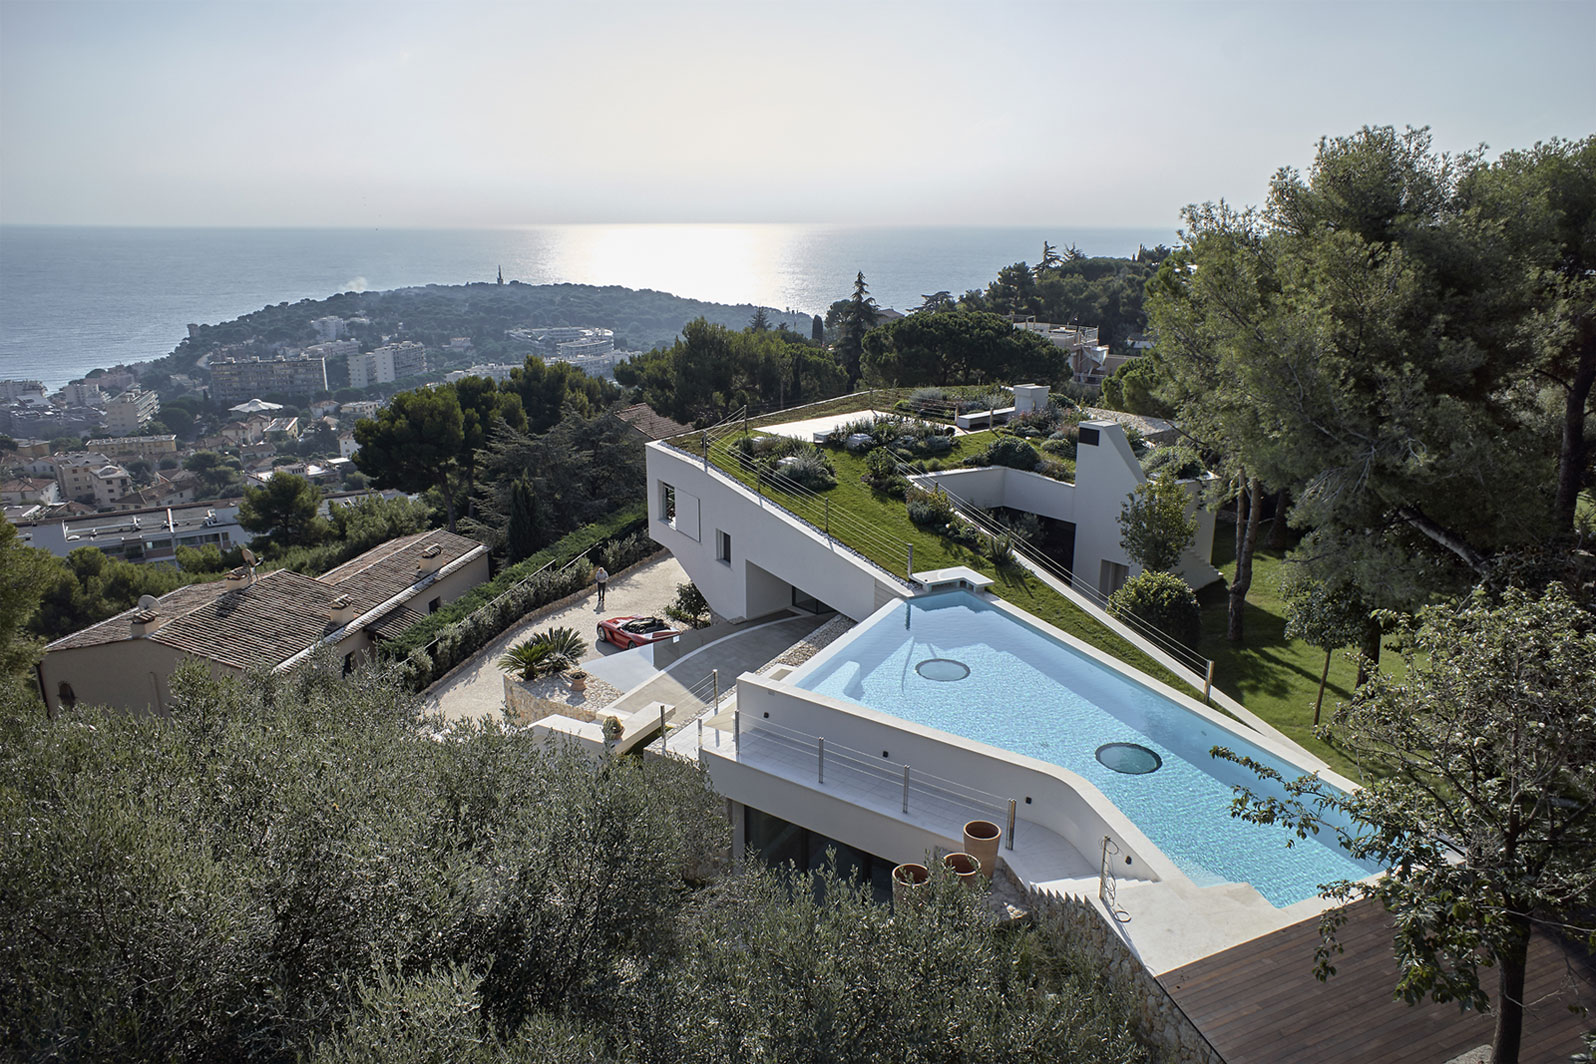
(1163, 1024)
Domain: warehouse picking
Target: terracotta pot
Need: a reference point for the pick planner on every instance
(579, 684)
(981, 838)
(908, 881)
(966, 867)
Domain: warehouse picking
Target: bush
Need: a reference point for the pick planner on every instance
(881, 473)
(1162, 600)
(931, 509)
(690, 607)
(1011, 452)
(805, 466)
(1181, 461)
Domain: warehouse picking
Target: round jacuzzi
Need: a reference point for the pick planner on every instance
(943, 670)
(1129, 758)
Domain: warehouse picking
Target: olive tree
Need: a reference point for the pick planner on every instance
(1481, 760)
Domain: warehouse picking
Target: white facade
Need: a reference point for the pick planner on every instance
(131, 411)
(748, 558)
(1106, 473)
(387, 364)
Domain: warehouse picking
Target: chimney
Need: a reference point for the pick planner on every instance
(431, 560)
(145, 622)
(341, 611)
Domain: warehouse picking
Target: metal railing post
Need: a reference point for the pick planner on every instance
(737, 733)
(662, 728)
(1011, 824)
(910, 573)
(700, 733)
(828, 516)
(905, 788)
(820, 747)
(715, 674)
(1208, 684)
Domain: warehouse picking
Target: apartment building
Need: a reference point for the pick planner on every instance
(236, 380)
(151, 447)
(386, 364)
(131, 411)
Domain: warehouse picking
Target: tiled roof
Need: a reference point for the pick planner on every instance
(651, 423)
(281, 613)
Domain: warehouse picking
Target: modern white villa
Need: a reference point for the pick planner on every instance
(942, 704)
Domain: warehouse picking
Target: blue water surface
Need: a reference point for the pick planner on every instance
(1029, 693)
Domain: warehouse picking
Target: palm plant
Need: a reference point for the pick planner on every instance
(545, 653)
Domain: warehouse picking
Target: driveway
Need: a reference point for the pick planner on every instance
(475, 690)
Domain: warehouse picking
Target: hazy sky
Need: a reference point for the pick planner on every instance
(476, 114)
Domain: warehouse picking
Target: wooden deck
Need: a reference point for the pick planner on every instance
(1259, 1003)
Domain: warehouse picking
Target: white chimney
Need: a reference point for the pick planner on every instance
(145, 622)
(341, 611)
(431, 560)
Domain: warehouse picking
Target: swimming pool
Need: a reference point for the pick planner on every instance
(953, 662)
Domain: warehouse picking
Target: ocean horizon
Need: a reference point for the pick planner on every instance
(76, 298)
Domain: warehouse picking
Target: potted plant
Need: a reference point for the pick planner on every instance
(908, 883)
(612, 728)
(578, 680)
(966, 867)
(981, 838)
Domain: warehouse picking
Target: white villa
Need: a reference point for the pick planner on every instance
(943, 704)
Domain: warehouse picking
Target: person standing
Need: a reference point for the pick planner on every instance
(601, 577)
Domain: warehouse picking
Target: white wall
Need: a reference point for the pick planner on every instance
(771, 548)
(1056, 794)
(1106, 473)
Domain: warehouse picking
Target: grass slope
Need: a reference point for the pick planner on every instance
(1271, 675)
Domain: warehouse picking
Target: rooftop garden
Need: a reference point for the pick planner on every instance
(863, 501)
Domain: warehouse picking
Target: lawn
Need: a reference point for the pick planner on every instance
(1273, 677)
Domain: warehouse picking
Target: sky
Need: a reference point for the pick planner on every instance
(468, 114)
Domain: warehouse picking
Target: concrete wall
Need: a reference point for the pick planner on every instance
(771, 550)
(1056, 794)
(133, 675)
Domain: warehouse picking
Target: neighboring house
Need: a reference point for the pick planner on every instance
(91, 477)
(347, 447)
(1090, 361)
(180, 488)
(280, 429)
(249, 621)
(30, 490)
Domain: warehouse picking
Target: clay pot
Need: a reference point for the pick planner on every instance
(908, 881)
(966, 867)
(981, 838)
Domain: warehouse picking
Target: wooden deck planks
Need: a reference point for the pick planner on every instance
(1259, 1002)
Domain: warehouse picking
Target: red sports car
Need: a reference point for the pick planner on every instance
(627, 632)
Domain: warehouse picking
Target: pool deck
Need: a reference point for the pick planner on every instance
(1259, 1002)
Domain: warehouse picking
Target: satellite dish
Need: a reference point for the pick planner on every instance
(147, 602)
(249, 557)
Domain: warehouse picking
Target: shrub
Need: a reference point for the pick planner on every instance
(932, 509)
(1011, 452)
(1057, 468)
(544, 654)
(807, 468)
(690, 607)
(1182, 461)
(1162, 600)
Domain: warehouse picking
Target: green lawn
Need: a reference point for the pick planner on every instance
(1273, 677)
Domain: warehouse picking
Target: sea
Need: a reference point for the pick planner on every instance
(73, 299)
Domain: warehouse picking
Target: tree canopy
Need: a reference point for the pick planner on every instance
(1480, 762)
(959, 347)
(287, 509)
(1154, 526)
(415, 443)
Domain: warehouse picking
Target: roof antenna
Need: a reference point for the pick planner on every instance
(249, 560)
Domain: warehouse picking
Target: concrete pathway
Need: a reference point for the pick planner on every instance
(742, 651)
(476, 689)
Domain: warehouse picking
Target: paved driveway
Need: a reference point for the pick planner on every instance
(476, 689)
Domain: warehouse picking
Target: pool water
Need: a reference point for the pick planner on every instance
(1029, 693)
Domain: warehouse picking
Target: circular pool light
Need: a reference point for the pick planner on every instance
(1129, 758)
(943, 670)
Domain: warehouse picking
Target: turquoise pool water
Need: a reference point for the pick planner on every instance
(1024, 691)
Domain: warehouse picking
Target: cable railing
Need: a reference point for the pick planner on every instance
(916, 788)
(858, 534)
(987, 522)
